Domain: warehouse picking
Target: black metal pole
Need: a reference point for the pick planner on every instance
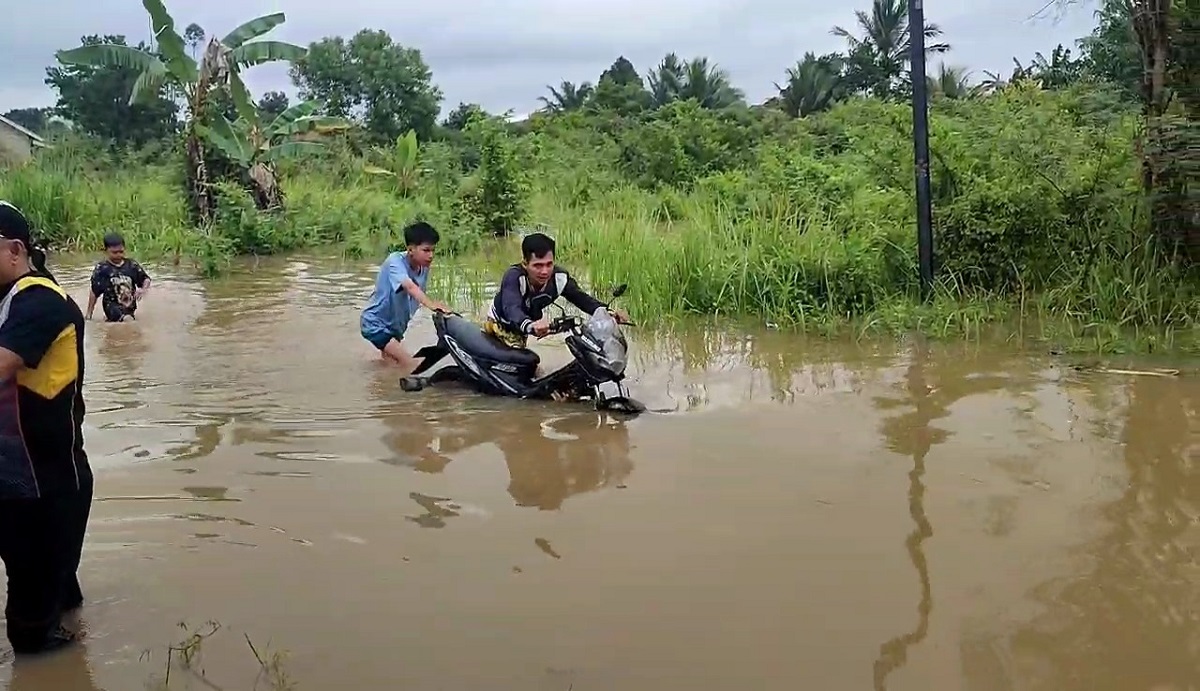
(920, 104)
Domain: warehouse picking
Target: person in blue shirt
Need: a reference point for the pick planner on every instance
(399, 293)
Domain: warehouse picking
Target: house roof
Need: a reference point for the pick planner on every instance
(36, 139)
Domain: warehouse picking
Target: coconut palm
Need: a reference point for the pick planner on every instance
(666, 80)
(950, 82)
(567, 97)
(708, 85)
(812, 85)
(696, 79)
(218, 68)
(883, 38)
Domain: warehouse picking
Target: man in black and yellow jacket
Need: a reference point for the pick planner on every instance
(45, 479)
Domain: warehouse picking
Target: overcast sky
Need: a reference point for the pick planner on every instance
(503, 53)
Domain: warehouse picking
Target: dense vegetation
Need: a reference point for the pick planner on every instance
(1051, 186)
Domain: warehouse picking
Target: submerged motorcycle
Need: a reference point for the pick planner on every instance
(597, 345)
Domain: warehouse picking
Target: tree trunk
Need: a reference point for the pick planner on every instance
(264, 183)
(1170, 135)
(202, 201)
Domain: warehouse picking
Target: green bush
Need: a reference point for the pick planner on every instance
(1036, 202)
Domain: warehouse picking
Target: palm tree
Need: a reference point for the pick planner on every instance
(567, 97)
(708, 85)
(812, 85)
(697, 79)
(218, 68)
(884, 42)
(666, 80)
(950, 82)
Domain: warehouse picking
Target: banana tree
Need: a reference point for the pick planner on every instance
(255, 146)
(401, 162)
(218, 68)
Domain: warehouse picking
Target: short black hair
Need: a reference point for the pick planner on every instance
(420, 233)
(536, 245)
(113, 239)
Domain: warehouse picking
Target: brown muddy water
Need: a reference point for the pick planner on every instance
(806, 515)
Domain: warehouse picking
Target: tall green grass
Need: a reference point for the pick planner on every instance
(692, 254)
(1039, 228)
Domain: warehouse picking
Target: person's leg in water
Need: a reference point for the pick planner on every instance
(395, 352)
(392, 351)
(32, 545)
(80, 510)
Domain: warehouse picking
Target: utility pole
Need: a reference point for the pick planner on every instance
(920, 104)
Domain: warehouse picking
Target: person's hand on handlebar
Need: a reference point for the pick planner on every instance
(540, 327)
(620, 315)
(441, 307)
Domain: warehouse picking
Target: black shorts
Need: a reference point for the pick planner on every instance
(115, 313)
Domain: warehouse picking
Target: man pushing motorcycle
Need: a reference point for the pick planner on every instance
(528, 288)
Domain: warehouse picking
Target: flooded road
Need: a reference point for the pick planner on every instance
(806, 515)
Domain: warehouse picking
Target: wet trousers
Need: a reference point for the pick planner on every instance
(41, 541)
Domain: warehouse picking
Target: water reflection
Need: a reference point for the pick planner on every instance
(66, 670)
(933, 383)
(549, 458)
(911, 434)
(1132, 618)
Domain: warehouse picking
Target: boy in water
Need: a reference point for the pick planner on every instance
(399, 292)
(120, 281)
(528, 288)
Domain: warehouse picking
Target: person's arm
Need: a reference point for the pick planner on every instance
(580, 298)
(512, 302)
(36, 317)
(401, 281)
(97, 289)
(141, 279)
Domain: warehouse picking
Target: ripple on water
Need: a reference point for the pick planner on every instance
(835, 461)
(313, 457)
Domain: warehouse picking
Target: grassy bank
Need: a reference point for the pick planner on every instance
(804, 223)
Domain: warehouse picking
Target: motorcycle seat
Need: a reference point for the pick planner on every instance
(482, 346)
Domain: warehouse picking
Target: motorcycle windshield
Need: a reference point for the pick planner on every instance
(604, 328)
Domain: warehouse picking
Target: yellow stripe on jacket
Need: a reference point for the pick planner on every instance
(59, 367)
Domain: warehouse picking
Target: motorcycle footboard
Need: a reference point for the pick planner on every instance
(429, 356)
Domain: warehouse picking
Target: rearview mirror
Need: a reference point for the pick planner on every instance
(620, 290)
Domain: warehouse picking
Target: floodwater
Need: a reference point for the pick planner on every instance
(799, 515)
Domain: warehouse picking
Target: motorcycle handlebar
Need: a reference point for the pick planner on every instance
(563, 324)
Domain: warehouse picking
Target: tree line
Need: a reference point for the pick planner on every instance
(377, 91)
(388, 89)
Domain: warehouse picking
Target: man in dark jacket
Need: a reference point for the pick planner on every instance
(45, 479)
(528, 288)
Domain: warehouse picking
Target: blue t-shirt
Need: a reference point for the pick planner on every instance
(391, 307)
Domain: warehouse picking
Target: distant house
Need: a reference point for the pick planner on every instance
(16, 142)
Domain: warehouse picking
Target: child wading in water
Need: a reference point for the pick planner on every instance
(119, 280)
(399, 293)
